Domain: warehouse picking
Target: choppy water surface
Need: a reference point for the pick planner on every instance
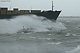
(62, 36)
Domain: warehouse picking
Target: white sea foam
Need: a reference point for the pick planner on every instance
(38, 24)
(55, 43)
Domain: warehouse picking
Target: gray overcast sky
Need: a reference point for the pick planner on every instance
(68, 7)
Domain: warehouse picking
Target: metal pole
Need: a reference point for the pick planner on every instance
(52, 6)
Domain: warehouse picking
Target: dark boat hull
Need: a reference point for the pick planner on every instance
(52, 15)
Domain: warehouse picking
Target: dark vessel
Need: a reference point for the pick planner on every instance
(8, 14)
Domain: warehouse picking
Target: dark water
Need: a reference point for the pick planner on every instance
(62, 36)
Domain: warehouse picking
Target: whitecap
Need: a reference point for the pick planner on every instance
(76, 50)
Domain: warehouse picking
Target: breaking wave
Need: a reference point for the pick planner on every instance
(77, 50)
(36, 23)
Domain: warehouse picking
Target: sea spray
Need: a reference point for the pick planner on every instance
(38, 24)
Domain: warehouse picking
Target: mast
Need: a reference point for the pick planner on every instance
(10, 8)
(52, 6)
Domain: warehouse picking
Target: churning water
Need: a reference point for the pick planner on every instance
(37, 24)
(62, 36)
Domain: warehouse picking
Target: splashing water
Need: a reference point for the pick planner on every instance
(38, 24)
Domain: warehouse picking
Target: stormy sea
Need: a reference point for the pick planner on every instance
(41, 35)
